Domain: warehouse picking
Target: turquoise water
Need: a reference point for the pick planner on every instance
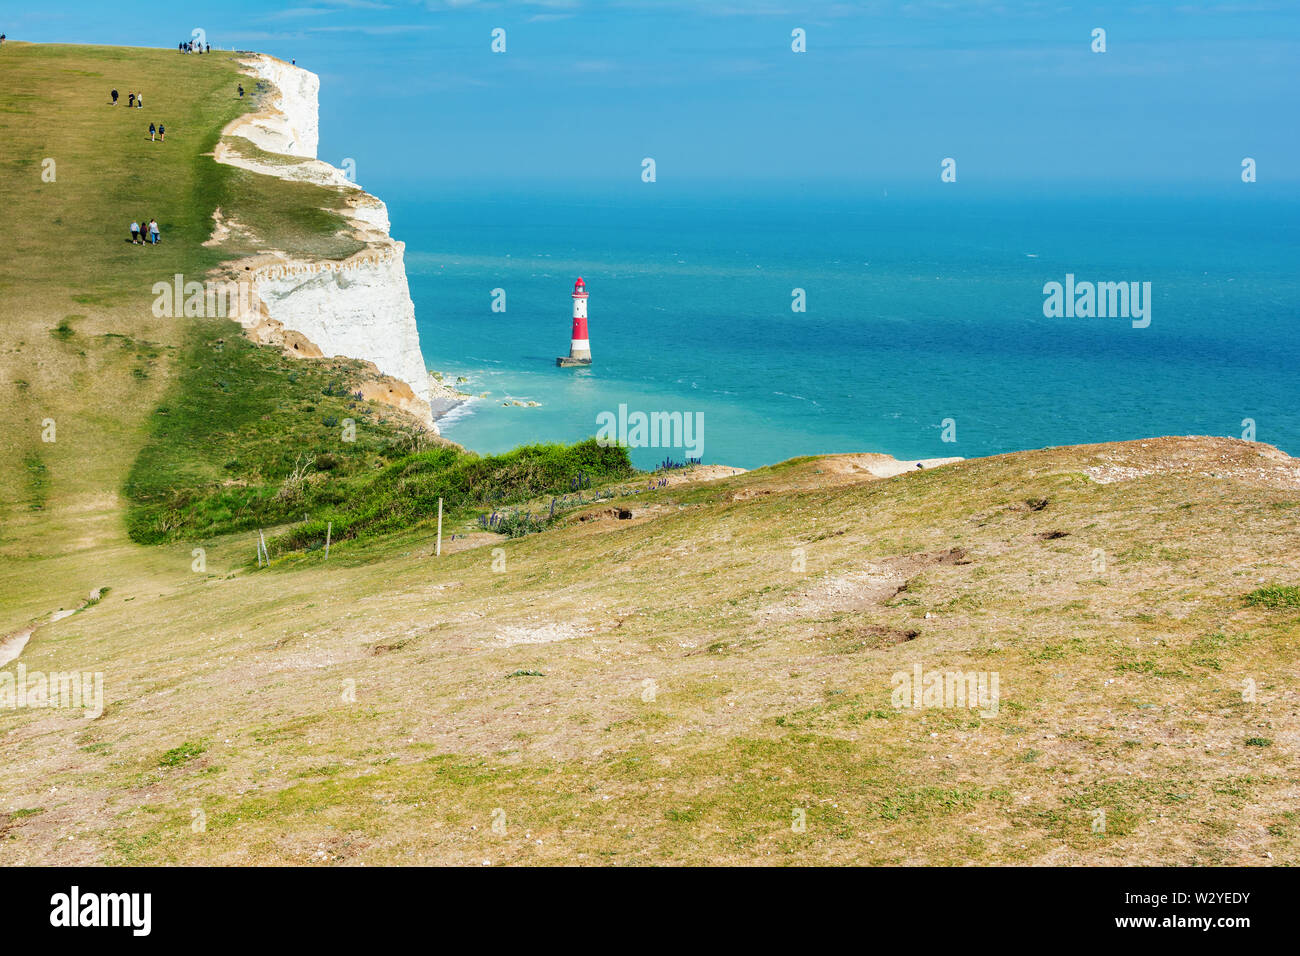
(919, 309)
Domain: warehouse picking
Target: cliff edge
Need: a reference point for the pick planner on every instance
(357, 307)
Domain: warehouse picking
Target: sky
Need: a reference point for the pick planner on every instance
(714, 93)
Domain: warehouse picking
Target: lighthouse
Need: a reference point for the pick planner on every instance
(579, 347)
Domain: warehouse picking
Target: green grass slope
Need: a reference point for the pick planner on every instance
(100, 395)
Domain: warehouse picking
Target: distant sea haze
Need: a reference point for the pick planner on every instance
(923, 319)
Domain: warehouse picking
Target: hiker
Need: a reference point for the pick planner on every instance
(162, 133)
(209, 47)
(139, 101)
(153, 132)
(114, 95)
(153, 231)
(130, 99)
(241, 91)
(135, 233)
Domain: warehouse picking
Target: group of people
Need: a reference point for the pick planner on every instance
(194, 46)
(132, 99)
(149, 233)
(142, 234)
(136, 100)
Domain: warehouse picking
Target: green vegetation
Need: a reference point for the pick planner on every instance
(220, 424)
(246, 438)
(405, 493)
(1275, 596)
(518, 523)
(83, 347)
(301, 216)
(182, 754)
(38, 480)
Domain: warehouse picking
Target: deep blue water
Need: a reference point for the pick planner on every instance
(919, 309)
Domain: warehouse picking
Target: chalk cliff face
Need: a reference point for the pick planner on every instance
(360, 307)
(296, 130)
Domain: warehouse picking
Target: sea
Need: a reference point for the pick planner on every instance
(787, 319)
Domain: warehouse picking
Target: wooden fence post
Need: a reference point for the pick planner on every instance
(439, 552)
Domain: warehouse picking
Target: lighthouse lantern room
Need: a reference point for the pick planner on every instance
(580, 346)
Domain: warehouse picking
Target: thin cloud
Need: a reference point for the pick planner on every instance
(385, 30)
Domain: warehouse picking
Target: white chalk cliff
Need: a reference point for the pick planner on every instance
(359, 307)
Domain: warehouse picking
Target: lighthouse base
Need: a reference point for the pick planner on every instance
(568, 361)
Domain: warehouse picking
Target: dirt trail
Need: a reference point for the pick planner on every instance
(878, 465)
(12, 646)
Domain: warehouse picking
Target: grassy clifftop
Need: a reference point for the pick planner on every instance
(102, 397)
(696, 672)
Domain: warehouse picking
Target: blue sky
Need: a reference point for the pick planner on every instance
(712, 90)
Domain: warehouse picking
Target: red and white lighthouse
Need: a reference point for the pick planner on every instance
(580, 346)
